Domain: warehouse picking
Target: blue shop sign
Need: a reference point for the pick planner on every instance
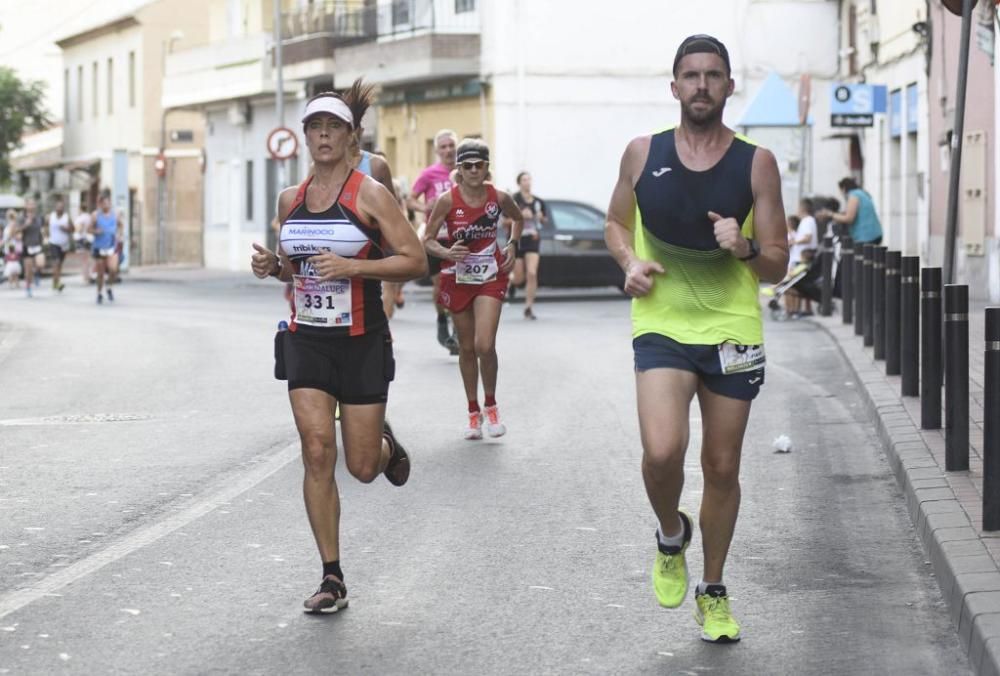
(855, 105)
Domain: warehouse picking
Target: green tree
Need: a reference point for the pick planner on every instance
(20, 110)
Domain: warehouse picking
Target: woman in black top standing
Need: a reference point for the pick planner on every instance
(536, 215)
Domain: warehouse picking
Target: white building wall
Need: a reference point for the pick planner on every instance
(229, 234)
(567, 101)
(94, 135)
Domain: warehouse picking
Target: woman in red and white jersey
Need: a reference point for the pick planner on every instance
(475, 275)
(335, 231)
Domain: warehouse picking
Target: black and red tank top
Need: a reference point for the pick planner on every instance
(343, 231)
(475, 227)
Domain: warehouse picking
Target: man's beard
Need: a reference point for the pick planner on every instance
(705, 117)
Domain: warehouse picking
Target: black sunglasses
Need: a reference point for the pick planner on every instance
(469, 166)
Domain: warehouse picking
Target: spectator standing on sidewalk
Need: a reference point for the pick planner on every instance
(859, 214)
(802, 251)
(60, 232)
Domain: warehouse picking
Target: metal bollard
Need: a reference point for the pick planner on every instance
(909, 314)
(991, 422)
(930, 348)
(846, 280)
(878, 303)
(859, 294)
(826, 289)
(866, 295)
(956, 383)
(892, 312)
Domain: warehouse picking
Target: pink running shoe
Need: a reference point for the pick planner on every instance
(475, 429)
(494, 427)
(329, 598)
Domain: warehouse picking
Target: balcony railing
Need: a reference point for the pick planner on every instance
(353, 21)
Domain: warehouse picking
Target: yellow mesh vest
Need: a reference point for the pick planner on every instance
(705, 297)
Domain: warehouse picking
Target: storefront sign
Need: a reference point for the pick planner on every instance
(855, 105)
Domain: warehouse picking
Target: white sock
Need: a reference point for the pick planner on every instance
(673, 540)
(703, 586)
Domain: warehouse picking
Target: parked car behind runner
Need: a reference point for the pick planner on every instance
(572, 248)
(573, 252)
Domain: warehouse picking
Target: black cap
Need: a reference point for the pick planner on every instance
(701, 43)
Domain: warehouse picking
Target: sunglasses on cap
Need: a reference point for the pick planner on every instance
(469, 166)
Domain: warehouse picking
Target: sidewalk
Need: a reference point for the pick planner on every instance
(946, 507)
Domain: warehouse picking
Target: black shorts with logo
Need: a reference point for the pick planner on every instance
(351, 369)
(57, 253)
(653, 350)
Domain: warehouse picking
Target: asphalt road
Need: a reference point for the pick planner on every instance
(151, 518)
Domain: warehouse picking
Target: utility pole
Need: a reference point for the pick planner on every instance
(957, 140)
(279, 93)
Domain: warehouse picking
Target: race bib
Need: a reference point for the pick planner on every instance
(107, 253)
(325, 304)
(735, 358)
(34, 250)
(476, 269)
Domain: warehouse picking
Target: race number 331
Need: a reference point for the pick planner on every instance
(319, 303)
(735, 358)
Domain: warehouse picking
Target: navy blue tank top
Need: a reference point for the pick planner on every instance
(674, 201)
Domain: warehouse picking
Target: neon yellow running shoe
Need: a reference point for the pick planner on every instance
(670, 574)
(713, 614)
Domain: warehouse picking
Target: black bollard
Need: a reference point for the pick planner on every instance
(956, 383)
(826, 288)
(878, 303)
(846, 280)
(866, 295)
(892, 313)
(930, 348)
(909, 313)
(859, 286)
(991, 422)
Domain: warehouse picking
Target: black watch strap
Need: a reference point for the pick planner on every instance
(754, 251)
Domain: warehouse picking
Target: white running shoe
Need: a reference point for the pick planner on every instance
(475, 429)
(494, 427)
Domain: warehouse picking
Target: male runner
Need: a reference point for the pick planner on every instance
(433, 182)
(696, 220)
(106, 227)
(60, 231)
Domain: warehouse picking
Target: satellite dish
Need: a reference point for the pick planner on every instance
(953, 6)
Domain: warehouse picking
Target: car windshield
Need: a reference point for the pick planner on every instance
(575, 217)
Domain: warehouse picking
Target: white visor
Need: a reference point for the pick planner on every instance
(331, 105)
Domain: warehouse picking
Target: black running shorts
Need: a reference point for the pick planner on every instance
(351, 369)
(527, 244)
(654, 351)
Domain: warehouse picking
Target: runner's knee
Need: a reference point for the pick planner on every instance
(485, 347)
(364, 468)
(663, 458)
(318, 454)
(721, 468)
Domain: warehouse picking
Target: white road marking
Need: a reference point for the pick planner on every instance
(536, 586)
(131, 611)
(147, 535)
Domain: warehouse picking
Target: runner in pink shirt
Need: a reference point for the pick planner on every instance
(433, 182)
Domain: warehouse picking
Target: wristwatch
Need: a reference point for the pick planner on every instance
(754, 251)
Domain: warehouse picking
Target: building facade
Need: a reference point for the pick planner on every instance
(113, 74)
(912, 48)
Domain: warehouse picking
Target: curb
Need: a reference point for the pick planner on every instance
(966, 572)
